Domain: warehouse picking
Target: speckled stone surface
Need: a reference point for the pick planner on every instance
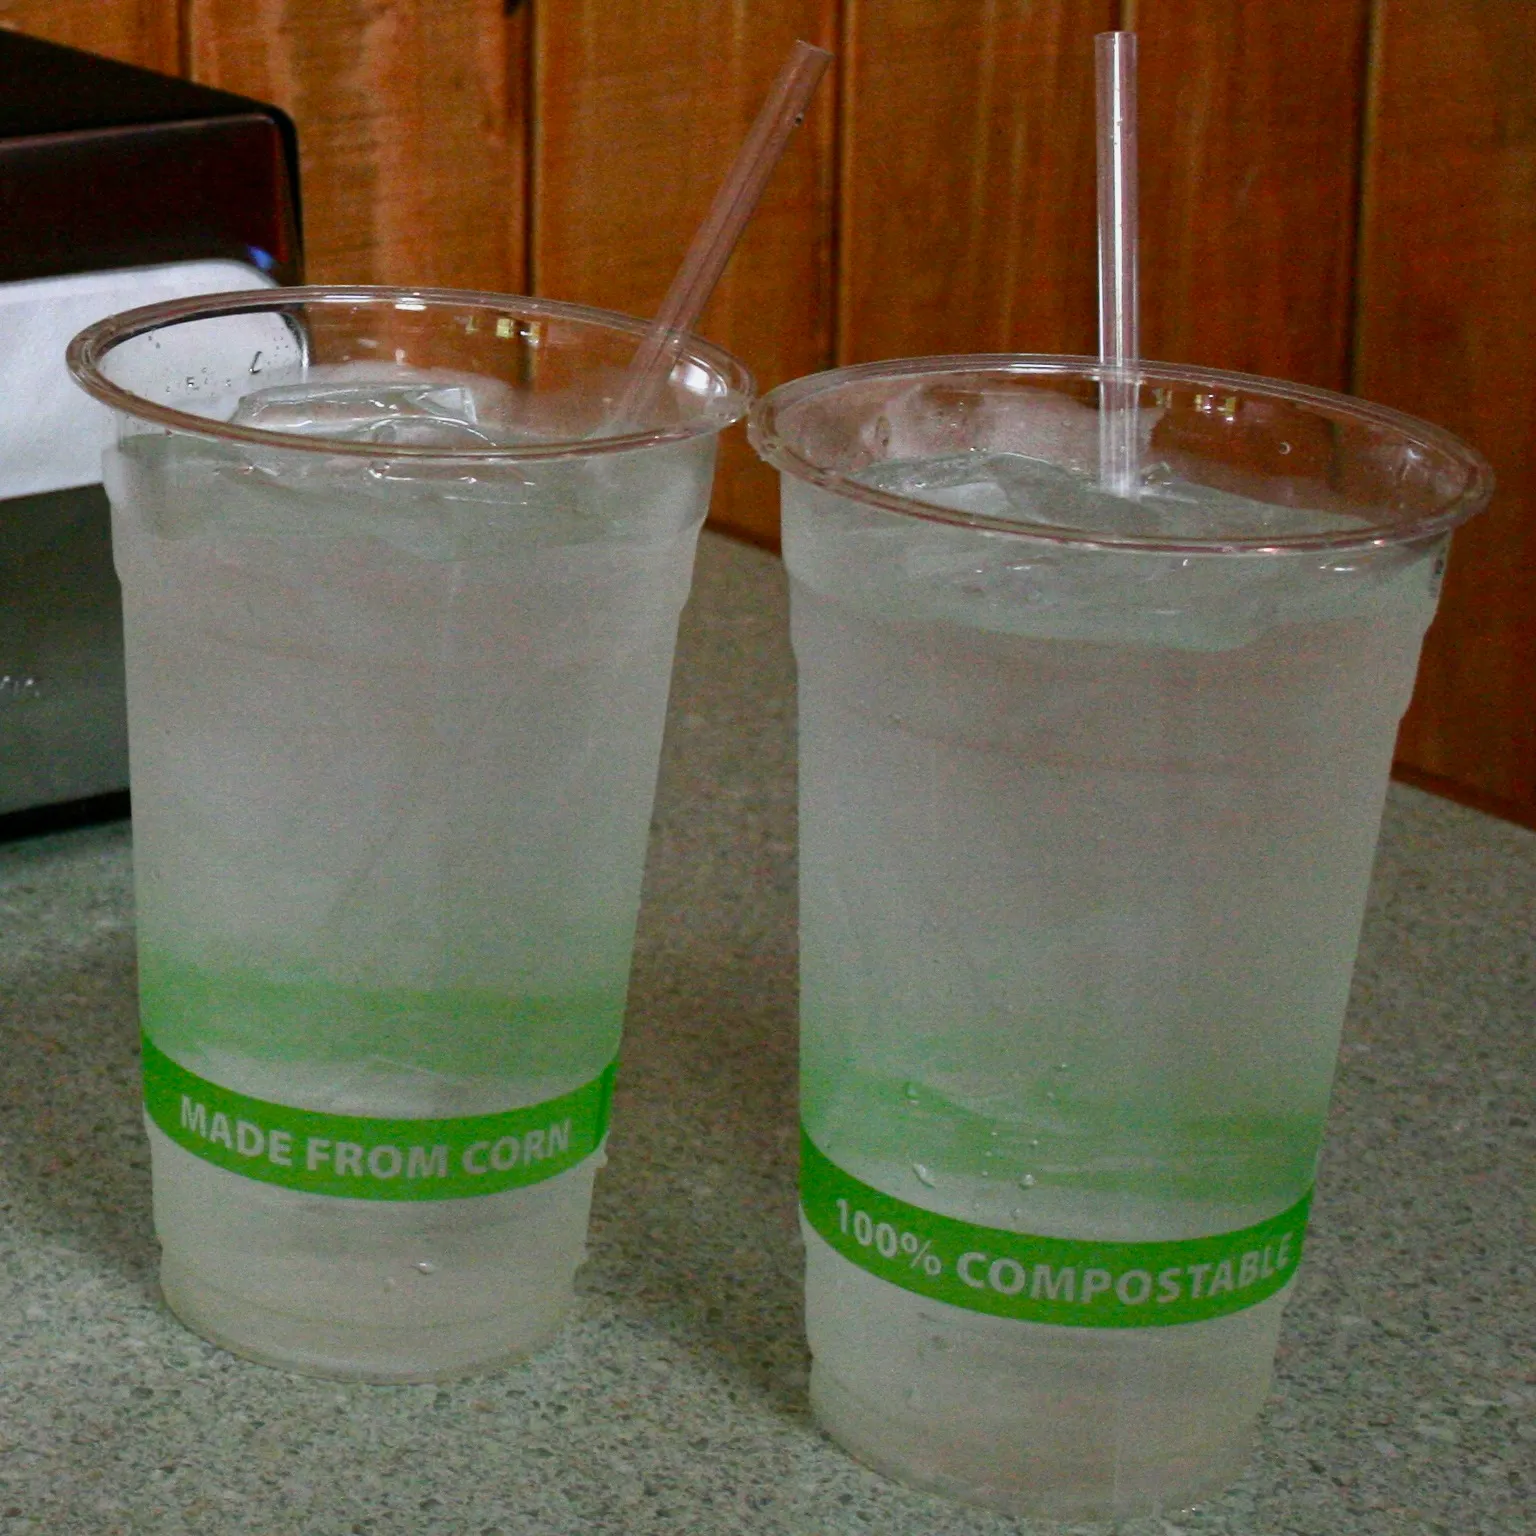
(1405, 1396)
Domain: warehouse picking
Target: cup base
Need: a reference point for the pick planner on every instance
(352, 1351)
(919, 1455)
(1028, 1418)
(367, 1290)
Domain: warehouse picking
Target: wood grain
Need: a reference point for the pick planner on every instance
(1250, 128)
(967, 177)
(136, 31)
(940, 198)
(411, 128)
(1447, 330)
(639, 109)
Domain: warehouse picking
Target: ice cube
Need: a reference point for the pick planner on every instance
(1046, 587)
(964, 483)
(1036, 493)
(424, 414)
(1014, 487)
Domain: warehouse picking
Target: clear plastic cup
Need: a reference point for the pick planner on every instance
(1089, 791)
(400, 603)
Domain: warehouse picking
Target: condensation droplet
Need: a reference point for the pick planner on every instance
(426, 1266)
(1027, 1182)
(910, 1090)
(922, 1175)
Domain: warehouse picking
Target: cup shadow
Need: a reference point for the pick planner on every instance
(74, 1162)
(695, 1227)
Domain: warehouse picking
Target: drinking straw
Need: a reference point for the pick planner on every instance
(1119, 321)
(716, 238)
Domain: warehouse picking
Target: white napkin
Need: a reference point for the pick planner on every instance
(51, 432)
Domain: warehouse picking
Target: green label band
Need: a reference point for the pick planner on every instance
(363, 1158)
(1047, 1279)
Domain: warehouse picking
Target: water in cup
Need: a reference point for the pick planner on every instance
(1089, 789)
(396, 701)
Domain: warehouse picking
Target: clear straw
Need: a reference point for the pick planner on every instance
(1119, 318)
(734, 204)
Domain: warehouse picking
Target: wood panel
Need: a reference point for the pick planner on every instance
(136, 31)
(1447, 330)
(639, 109)
(967, 177)
(1250, 127)
(411, 128)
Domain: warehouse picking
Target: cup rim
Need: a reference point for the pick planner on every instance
(764, 433)
(87, 351)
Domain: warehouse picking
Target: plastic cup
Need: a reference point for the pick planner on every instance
(1089, 791)
(400, 622)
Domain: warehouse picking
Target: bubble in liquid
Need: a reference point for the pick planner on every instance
(426, 1267)
(1028, 1181)
(910, 1091)
(923, 1176)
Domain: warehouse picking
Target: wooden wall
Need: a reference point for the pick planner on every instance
(1337, 191)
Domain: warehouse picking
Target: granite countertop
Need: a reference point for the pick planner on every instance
(1405, 1396)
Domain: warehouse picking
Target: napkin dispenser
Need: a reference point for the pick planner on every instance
(118, 187)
